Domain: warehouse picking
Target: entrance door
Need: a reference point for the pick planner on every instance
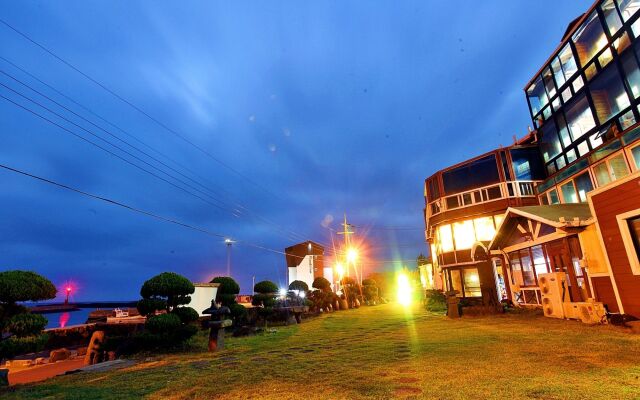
(501, 287)
(560, 259)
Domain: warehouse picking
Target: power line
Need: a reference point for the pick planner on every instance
(234, 212)
(137, 210)
(138, 109)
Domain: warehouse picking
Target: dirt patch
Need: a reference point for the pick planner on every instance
(404, 391)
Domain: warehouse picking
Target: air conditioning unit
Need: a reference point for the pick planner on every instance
(589, 312)
(552, 291)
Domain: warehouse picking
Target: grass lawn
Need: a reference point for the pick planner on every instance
(383, 352)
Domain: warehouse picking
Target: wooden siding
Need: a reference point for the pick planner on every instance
(603, 292)
(607, 205)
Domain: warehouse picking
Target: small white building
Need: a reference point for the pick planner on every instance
(201, 298)
(305, 262)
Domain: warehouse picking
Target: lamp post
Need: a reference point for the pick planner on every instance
(228, 242)
(68, 290)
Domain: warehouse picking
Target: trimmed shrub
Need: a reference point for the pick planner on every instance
(238, 311)
(435, 301)
(227, 290)
(172, 287)
(23, 325)
(163, 323)
(18, 286)
(187, 315)
(151, 305)
(15, 346)
(321, 284)
(265, 287)
(299, 285)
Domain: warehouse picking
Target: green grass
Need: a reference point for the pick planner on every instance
(383, 352)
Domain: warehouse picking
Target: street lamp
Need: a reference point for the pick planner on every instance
(352, 255)
(68, 290)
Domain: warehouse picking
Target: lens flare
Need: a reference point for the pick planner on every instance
(404, 290)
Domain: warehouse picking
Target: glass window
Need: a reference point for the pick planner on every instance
(548, 82)
(553, 197)
(635, 152)
(527, 164)
(584, 186)
(563, 131)
(550, 142)
(464, 235)
(566, 94)
(634, 230)
(605, 57)
(537, 96)
(577, 84)
(583, 148)
(567, 62)
(618, 167)
(589, 39)
(516, 268)
(527, 268)
(601, 171)
(627, 119)
(622, 42)
(569, 194)
(571, 156)
(475, 174)
(471, 282)
(611, 16)
(596, 140)
(591, 71)
(498, 219)
(484, 228)
(635, 28)
(628, 8)
(608, 94)
(446, 239)
(540, 263)
(557, 71)
(579, 117)
(561, 163)
(631, 72)
(456, 281)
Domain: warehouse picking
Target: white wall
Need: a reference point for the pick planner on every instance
(303, 272)
(201, 298)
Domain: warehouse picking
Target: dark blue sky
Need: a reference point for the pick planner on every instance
(331, 107)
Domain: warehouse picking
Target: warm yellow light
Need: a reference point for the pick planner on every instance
(404, 290)
(484, 228)
(464, 235)
(352, 255)
(445, 237)
(339, 270)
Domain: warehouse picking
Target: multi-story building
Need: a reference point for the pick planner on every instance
(583, 218)
(465, 204)
(585, 104)
(305, 262)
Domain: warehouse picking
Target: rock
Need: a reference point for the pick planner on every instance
(59, 355)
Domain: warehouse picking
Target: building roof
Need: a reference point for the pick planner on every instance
(296, 253)
(555, 215)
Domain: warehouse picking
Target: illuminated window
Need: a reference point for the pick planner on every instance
(484, 228)
(628, 8)
(548, 82)
(611, 16)
(446, 239)
(456, 281)
(611, 170)
(553, 197)
(567, 62)
(589, 39)
(537, 96)
(635, 152)
(569, 194)
(583, 186)
(631, 72)
(550, 142)
(498, 219)
(608, 94)
(579, 117)
(464, 235)
(471, 282)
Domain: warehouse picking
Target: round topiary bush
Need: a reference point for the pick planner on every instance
(321, 284)
(151, 305)
(227, 290)
(163, 323)
(299, 285)
(187, 315)
(18, 286)
(265, 287)
(23, 325)
(173, 288)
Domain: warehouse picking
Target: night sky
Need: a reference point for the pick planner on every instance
(280, 116)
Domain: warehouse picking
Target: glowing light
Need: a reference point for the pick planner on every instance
(302, 294)
(68, 289)
(352, 255)
(228, 241)
(339, 270)
(282, 292)
(464, 234)
(404, 290)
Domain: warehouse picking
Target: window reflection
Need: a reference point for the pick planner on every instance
(537, 96)
(446, 238)
(583, 186)
(611, 16)
(550, 142)
(628, 8)
(589, 39)
(579, 117)
(569, 194)
(608, 94)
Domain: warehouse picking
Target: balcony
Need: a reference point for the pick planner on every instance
(486, 194)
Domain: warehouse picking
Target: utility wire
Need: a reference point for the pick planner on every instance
(138, 210)
(138, 109)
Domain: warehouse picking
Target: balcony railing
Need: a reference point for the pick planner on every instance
(486, 194)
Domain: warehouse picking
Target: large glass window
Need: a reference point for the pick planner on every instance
(446, 238)
(476, 174)
(463, 234)
(484, 228)
(456, 281)
(635, 152)
(550, 142)
(548, 82)
(568, 62)
(583, 186)
(537, 96)
(628, 8)
(527, 268)
(589, 39)
(527, 164)
(540, 262)
(579, 117)
(569, 194)
(608, 94)
(471, 282)
(611, 16)
(631, 73)
(553, 197)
